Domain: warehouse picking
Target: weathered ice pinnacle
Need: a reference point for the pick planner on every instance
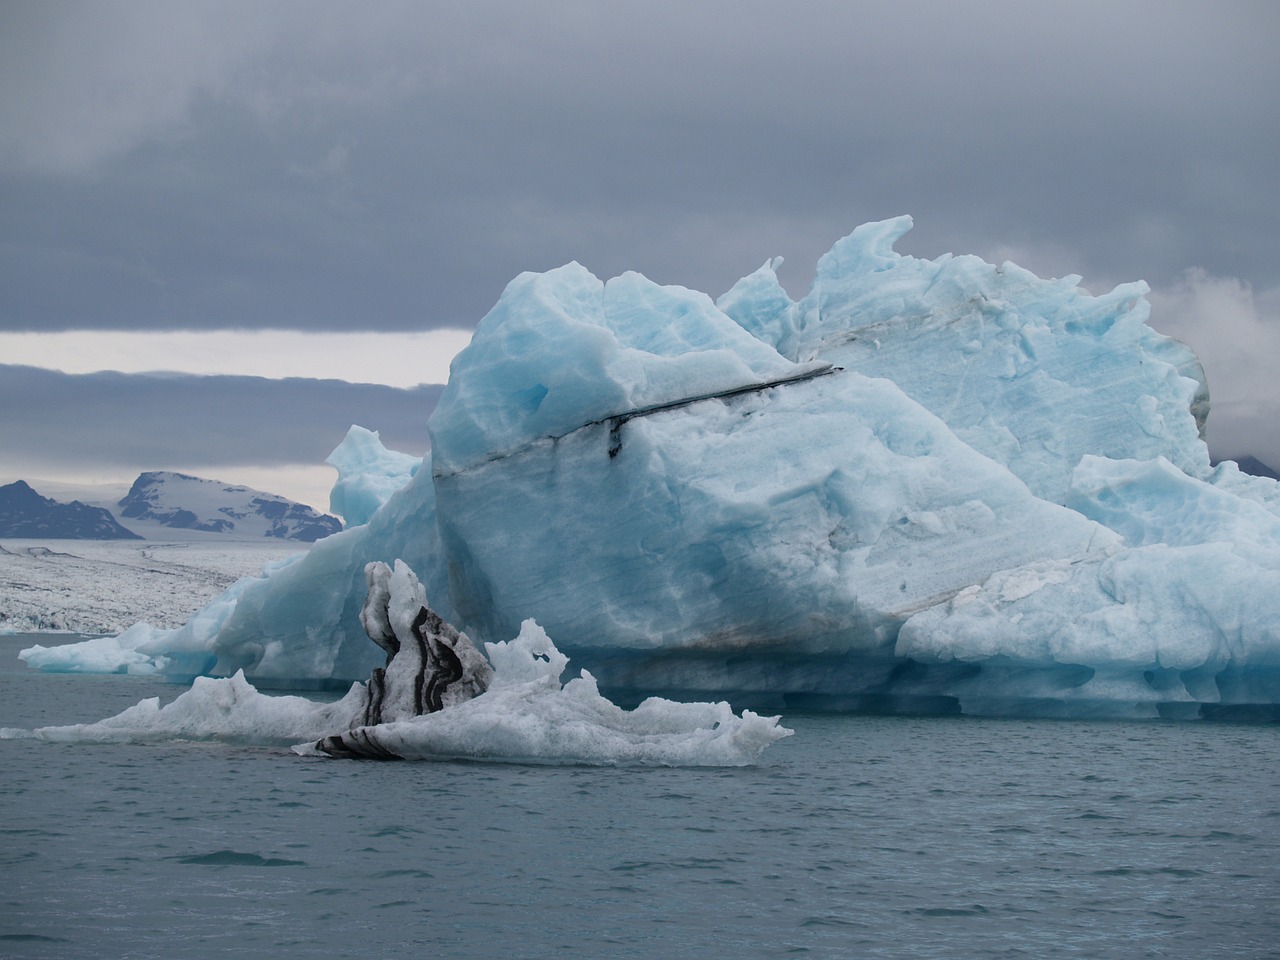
(430, 665)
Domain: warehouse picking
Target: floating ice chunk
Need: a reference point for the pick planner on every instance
(229, 709)
(850, 502)
(526, 715)
(118, 654)
(430, 665)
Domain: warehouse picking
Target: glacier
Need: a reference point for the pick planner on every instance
(928, 486)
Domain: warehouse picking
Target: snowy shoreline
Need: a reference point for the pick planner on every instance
(102, 587)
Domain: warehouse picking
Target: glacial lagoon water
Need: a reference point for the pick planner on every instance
(857, 837)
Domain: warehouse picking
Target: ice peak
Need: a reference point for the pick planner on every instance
(563, 348)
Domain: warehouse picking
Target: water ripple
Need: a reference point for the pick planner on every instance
(233, 858)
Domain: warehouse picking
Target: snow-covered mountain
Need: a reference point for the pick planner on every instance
(24, 513)
(183, 502)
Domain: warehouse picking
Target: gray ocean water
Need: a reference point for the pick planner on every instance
(857, 837)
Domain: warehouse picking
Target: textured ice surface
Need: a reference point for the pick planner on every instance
(1033, 373)
(1188, 615)
(812, 516)
(228, 709)
(561, 348)
(938, 486)
(528, 715)
(368, 474)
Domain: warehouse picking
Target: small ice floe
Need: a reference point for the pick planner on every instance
(438, 697)
(526, 714)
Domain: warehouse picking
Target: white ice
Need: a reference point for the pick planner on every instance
(527, 715)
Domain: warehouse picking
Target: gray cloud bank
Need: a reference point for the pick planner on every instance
(56, 423)
(1236, 334)
(392, 165)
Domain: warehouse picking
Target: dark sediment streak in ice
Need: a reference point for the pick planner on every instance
(430, 665)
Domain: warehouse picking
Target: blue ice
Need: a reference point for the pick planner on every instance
(926, 486)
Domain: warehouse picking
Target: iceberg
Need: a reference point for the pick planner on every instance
(929, 486)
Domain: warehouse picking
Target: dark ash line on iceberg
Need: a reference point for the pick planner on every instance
(358, 744)
(616, 420)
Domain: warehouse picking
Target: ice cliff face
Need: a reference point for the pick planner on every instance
(938, 486)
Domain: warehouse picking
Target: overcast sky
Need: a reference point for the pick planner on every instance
(337, 167)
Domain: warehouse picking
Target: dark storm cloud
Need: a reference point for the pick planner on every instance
(59, 422)
(392, 166)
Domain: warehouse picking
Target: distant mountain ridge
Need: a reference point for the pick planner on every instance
(27, 515)
(183, 502)
(160, 505)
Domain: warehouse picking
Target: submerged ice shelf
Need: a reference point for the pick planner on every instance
(927, 486)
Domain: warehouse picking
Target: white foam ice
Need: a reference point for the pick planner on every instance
(228, 709)
(527, 715)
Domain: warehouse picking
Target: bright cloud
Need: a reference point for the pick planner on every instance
(393, 359)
